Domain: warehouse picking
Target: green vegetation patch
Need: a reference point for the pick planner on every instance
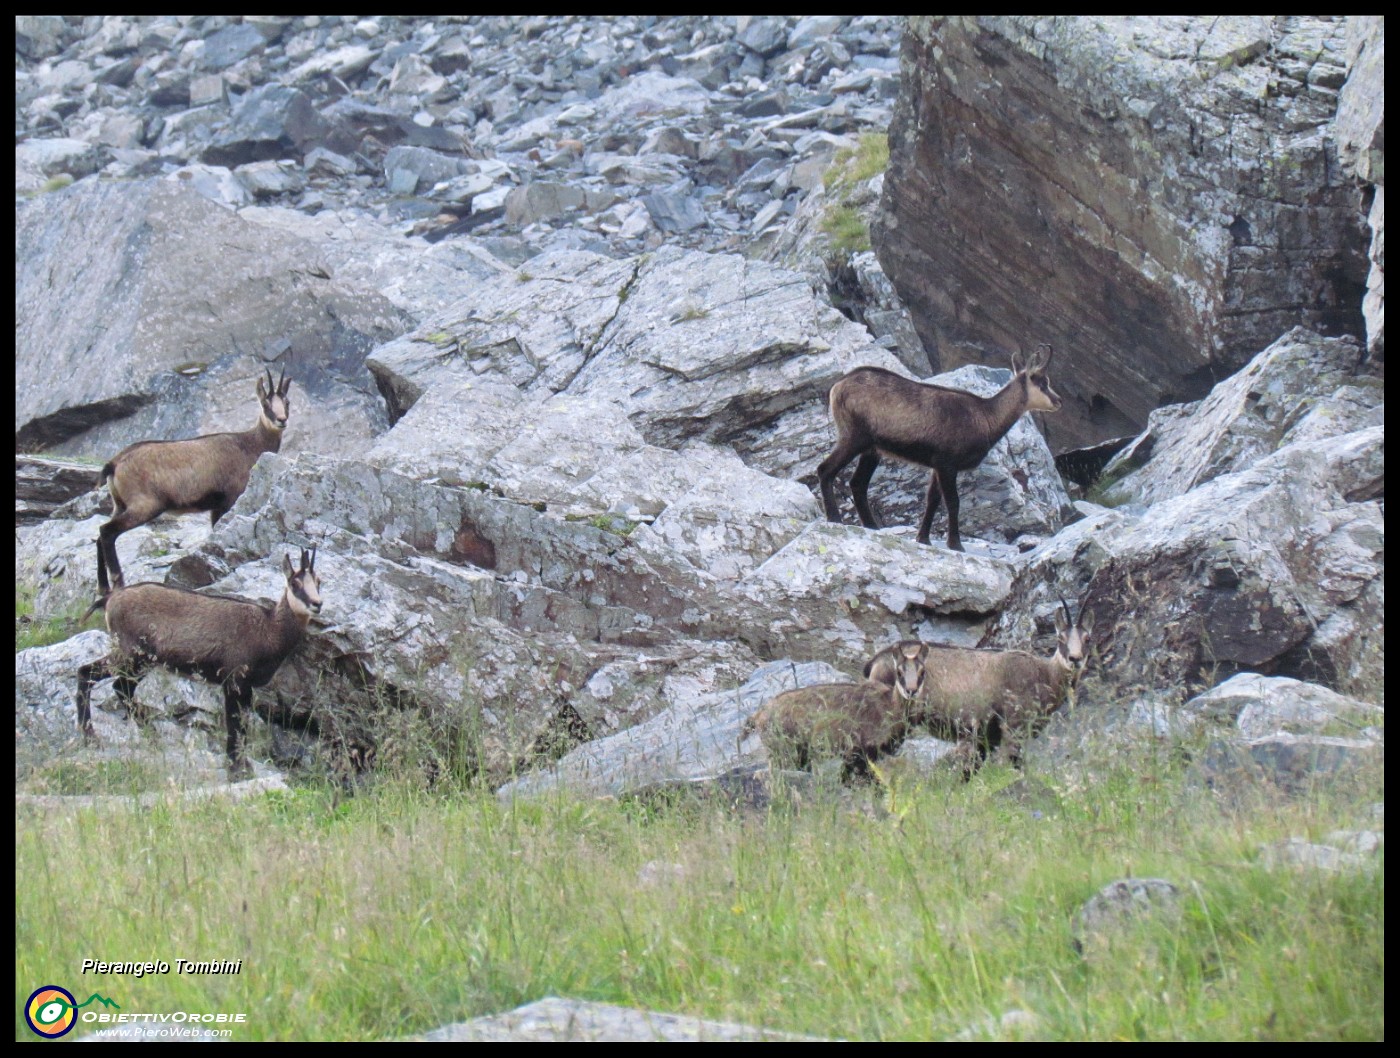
(850, 169)
(31, 631)
(907, 912)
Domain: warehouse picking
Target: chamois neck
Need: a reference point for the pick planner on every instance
(1006, 406)
(265, 436)
(291, 620)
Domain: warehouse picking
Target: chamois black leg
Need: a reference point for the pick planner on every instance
(220, 508)
(827, 470)
(949, 481)
(237, 697)
(128, 676)
(931, 501)
(860, 485)
(87, 676)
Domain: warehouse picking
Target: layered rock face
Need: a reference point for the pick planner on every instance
(1158, 197)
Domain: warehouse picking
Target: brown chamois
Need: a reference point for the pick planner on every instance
(984, 698)
(206, 473)
(234, 644)
(877, 413)
(853, 721)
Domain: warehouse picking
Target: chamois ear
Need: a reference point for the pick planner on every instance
(1086, 621)
(262, 389)
(287, 567)
(1018, 363)
(1061, 622)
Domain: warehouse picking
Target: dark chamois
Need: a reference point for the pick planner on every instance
(855, 722)
(234, 644)
(206, 473)
(984, 698)
(877, 413)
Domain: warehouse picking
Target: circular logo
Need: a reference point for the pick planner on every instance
(51, 1011)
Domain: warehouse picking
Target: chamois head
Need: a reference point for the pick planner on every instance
(910, 669)
(1034, 377)
(303, 586)
(274, 399)
(1073, 649)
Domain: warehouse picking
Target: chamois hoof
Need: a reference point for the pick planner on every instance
(239, 771)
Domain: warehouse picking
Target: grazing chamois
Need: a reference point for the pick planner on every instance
(234, 644)
(986, 698)
(206, 473)
(877, 413)
(853, 721)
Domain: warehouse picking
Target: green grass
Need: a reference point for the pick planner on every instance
(851, 168)
(848, 232)
(43, 632)
(901, 914)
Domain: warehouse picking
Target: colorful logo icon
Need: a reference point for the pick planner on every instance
(51, 1011)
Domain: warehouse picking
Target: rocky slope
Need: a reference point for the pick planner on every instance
(557, 303)
(1159, 197)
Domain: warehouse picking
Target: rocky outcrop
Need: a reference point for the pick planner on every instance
(164, 335)
(1302, 387)
(1158, 197)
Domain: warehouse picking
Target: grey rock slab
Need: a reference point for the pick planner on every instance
(733, 519)
(691, 741)
(1222, 259)
(532, 328)
(226, 791)
(1301, 854)
(1266, 705)
(1283, 394)
(38, 160)
(556, 1020)
(41, 485)
(183, 316)
(877, 570)
(417, 278)
(56, 560)
(1296, 765)
(273, 121)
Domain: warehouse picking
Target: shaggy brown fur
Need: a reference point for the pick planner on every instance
(853, 721)
(986, 698)
(234, 644)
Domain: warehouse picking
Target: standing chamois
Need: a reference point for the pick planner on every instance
(853, 721)
(206, 473)
(877, 413)
(234, 644)
(984, 698)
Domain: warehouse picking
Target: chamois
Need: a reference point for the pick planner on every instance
(983, 698)
(206, 473)
(853, 721)
(234, 644)
(877, 413)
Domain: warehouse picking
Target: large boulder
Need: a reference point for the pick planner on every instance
(1277, 568)
(1303, 386)
(164, 335)
(1174, 206)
